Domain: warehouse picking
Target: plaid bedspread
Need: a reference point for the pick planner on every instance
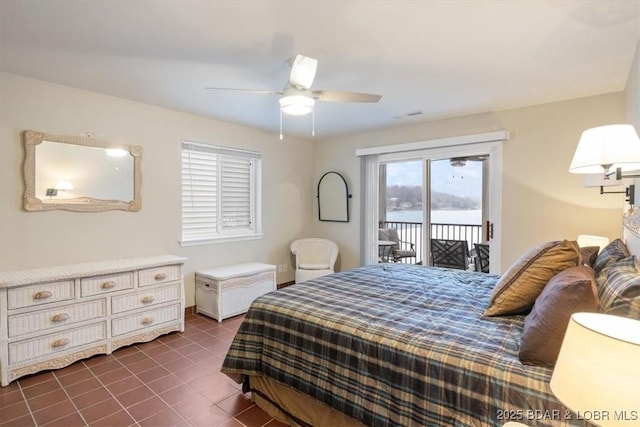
(397, 345)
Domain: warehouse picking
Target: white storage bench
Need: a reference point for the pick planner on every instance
(228, 291)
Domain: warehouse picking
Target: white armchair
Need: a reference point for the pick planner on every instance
(314, 257)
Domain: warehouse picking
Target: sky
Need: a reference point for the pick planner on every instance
(461, 181)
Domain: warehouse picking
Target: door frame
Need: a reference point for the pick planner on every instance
(468, 145)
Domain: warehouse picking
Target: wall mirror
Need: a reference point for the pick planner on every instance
(333, 198)
(81, 174)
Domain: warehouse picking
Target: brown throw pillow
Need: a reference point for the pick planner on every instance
(571, 291)
(517, 289)
(589, 255)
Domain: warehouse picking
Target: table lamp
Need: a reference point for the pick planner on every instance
(597, 374)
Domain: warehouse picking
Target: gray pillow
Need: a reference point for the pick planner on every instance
(619, 288)
(571, 291)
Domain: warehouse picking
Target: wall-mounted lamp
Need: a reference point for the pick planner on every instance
(611, 150)
(60, 186)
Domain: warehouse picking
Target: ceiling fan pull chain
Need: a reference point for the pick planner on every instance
(313, 121)
(280, 125)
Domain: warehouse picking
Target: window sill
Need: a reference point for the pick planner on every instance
(221, 239)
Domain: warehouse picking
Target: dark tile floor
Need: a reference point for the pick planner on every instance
(174, 380)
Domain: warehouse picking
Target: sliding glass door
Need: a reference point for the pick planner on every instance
(401, 207)
(461, 157)
(430, 197)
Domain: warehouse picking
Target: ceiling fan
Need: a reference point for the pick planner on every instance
(297, 98)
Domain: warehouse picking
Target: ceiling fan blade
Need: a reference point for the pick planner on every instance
(341, 96)
(303, 71)
(274, 92)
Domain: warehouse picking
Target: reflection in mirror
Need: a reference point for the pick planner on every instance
(333, 198)
(68, 171)
(80, 174)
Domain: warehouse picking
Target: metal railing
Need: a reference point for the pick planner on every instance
(412, 232)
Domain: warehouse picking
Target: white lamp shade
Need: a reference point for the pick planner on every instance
(615, 145)
(296, 105)
(585, 240)
(597, 374)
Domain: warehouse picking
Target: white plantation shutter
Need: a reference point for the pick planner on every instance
(236, 193)
(220, 193)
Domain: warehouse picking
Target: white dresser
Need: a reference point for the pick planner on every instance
(50, 317)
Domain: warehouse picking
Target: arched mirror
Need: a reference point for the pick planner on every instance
(81, 174)
(333, 198)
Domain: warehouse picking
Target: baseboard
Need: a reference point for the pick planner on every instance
(285, 284)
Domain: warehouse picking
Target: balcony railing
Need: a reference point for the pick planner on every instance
(412, 232)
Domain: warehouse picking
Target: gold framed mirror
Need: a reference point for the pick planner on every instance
(80, 174)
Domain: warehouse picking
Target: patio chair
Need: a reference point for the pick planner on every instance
(400, 250)
(481, 258)
(450, 253)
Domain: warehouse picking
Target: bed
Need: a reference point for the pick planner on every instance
(391, 345)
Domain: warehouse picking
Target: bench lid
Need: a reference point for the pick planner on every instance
(236, 270)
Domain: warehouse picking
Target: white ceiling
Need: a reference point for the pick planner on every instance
(441, 58)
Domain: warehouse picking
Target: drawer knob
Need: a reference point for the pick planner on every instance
(43, 295)
(160, 276)
(109, 285)
(60, 317)
(148, 299)
(147, 320)
(60, 343)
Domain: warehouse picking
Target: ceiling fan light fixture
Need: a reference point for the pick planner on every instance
(296, 105)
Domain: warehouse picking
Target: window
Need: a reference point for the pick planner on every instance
(220, 194)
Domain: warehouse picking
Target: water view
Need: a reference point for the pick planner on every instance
(445, 216)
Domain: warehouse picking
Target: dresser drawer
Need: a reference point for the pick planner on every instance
(61, 342)
(153, 296)
(22, 324)
(42, 293)
(153, 276)
(103, 284)
(147, 319)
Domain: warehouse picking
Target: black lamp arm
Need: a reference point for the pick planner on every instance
(630, 192)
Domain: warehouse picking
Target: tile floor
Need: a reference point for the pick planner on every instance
(174, 380)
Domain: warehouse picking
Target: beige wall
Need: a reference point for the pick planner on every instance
(632, 91)
(541, 200)
(34, 239)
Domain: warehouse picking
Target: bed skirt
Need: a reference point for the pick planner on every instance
(302, 410)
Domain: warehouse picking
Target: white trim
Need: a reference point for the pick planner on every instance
(501, 135)
(369, 249)
(218, 149)
(221, 239)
